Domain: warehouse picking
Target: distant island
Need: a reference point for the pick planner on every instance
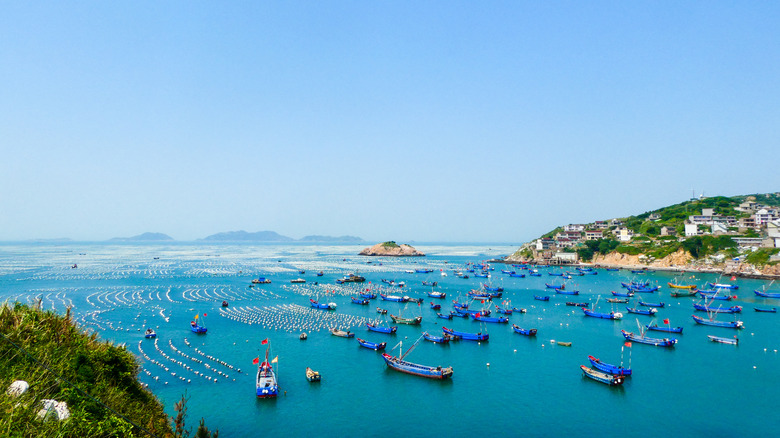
(145, 237)
(243, 236)
(344, 239)
(737, 235)
(391, 249)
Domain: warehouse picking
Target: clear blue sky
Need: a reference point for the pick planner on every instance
(425, 121)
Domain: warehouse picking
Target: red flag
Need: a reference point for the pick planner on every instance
(265, 341)
(205, 314)
(735, 297)
(733, 277)
(256, 360)
(627, 344)
(666, 321)
(419, 303)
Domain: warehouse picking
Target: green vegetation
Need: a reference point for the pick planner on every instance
(701, 246)
(96, 379)
(552, 233)
(761, 257)
(602, 246)
(390, 244)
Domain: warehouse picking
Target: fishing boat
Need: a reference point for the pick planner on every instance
(196, 328)
(399, 364)
(564, 343)
(732, 341)
(555, 274)
(682, 286)
(372, 345)
(459, 313)
(442, 316)
(493, 288)
(642, 339)
(544, 298)
(317, 305)
(609, 368)
(362, 301)
(298, 280)
(437, 294)
(516, 275)
(430, 283)
(312, 376)
(628, 294)
(266, 385)
(705, 308)
(573, 304)
(395, 298)
(351, 278)
(642, 303)
(380, 329)
(765, 309)
(522, 331)
(320, 274)
(657, 328)
(402, 320)
(683, 293)
(555, 286)
(643, 290)
(261, 280)
(651, 311)
(565, 292)
(381, 310)
(150, 334)
(713, 323)
(609, 379)
(342, 333)
(714, 295)
(535, 274)
(368, 295)
(224, 303)
(483, 312)
(617, 300)
(723, 286)
(435, 306)
(767, 294)
(612, 269)
(423, 271)
(303, 336)
(518, 310)
(482, 318)
(503, 311)
(436, 339)
(466, 335)
(594, 314)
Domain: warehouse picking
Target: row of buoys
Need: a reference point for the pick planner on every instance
(217, 360)
(292, 318)
(170, 344)
(182, 364)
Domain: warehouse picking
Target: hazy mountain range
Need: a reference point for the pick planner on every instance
(241, 236)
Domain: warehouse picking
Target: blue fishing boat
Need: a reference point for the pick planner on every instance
(466, 335)
(638, 271)
(657, 328)
(565, 292)
(320, 274)
(718, 339)
(423, 271)
(435, 306)
(481, 275)
(483, 312)
(395, 298)
(372, 345)
(522, 331)
(623, 294)
(266, 385)
(617, 370)
(499, 320)
(493, 288)
(479, 294)
(444, 316)
(555, 274)
(544, 298)
(633, 284)
(507, 271)
(150, 334)
(705, 308)
(458, 305)
(458, 313)
(765, 309)
(516, 275)
(650, 311)
(199, 329)
(723, 286)
(503, 311)
(342, 333)
(316, 305)
(644, 289)
(437, 294)
(554, 286)
(642, 303)
(609, 379)
(573, 304)
(713, 295)
(436, 339)
(594, 314)
(398, 364)
(766, 294)
(713, 323)
(368, 295)
(380, 329)
(381, 310)
(362, 301)
(429, 283)
(665, 342)
(401, 320)
(612, 269)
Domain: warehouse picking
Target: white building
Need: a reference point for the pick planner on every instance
(691, 229)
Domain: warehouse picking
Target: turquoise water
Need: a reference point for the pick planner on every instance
(531, 387)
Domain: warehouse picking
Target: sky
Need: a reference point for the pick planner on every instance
(409, 121)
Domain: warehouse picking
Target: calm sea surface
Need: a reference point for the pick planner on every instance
(512, 385)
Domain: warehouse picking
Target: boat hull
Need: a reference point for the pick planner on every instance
(439, 373)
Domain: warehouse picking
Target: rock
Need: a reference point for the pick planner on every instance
(52, 409)
(17, 388)
(391, 249)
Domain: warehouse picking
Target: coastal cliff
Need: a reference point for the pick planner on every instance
(391, 249)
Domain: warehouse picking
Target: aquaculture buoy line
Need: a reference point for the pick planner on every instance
(293, 318)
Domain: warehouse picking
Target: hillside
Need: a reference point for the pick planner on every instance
(728, 234)
(391, 249)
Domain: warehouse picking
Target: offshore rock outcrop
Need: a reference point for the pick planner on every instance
(391, 249)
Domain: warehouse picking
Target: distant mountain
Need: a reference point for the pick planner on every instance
(145, 237)
(243, 236)
(346, 239)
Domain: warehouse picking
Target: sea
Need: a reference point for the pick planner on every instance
(511, 385)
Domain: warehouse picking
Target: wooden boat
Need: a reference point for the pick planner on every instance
(594, 314)
(436, 339)
(659, 305)
(342, 333)
(723, 286)
(395, 298)
(150, 334)
(564, 292)
(298, 280)
(303, 336)
(650, 311)
(266, 385)
(598, 376)
(372, 345)
(415, 300)
(398, 364)
(382, 311)
(573, 304)
(705, 308)
(402, 320)
(665, 342)
(482, 318)
(617, 300)
(316, 305)
(732, 341)
(564, 344)
(312, 376)
(682, 286)
(467, 336)
(767, 294)
(522, 331)
(362, 301)
(609, 368)
(713, 323)
(657, 328)
(538, 298)
(443, 316)
(224, 303)
(683, 293)
(458, 305)
(765, 309)
(459, 313)
(380, 329)
(351, 278)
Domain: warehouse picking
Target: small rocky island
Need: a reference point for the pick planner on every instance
(391, 249)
